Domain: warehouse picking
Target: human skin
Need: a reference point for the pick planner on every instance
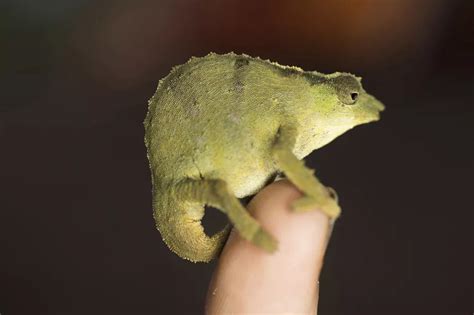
(248, 280)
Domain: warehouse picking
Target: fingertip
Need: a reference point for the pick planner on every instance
(297, 233)
(250, 279)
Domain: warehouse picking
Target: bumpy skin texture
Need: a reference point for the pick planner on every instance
(220, 127)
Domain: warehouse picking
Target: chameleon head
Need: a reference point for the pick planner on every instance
(342, 103)
(345, 102)
(339, 103)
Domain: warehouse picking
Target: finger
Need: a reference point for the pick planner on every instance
(250, 280)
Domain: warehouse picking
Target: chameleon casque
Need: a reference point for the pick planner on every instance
(221, 127)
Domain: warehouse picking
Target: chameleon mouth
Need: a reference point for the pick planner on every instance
(370, 116)
(369, 110)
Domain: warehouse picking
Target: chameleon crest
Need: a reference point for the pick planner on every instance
(220, 127)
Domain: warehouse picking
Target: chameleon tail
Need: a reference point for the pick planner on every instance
(179, 223)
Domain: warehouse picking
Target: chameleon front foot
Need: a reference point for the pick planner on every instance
(316, 195)
(326, 204)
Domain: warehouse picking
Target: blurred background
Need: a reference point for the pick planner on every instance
(76, 229)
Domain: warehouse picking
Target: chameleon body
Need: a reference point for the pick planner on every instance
(220, 127)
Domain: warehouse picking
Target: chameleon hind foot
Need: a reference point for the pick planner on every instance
(264, 240)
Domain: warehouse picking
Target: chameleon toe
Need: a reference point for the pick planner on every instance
(265, 240)
(308, 203)
(305, 203)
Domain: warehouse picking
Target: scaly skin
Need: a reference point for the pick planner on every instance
(220, 127)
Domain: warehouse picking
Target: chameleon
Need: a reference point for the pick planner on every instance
(223, 126)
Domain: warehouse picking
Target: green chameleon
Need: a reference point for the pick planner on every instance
(221, 127)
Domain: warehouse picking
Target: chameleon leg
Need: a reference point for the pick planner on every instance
(316, 194)
(216, 194)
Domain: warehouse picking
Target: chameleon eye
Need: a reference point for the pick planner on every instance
(348, 96)
(354, 96)
(347, 87)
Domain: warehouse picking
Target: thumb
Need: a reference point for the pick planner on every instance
(250, 280)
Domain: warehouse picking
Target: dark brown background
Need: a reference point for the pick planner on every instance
(76, 228)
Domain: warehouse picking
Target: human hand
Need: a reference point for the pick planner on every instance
(248, 280)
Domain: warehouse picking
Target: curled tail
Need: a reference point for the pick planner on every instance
(179, 223)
